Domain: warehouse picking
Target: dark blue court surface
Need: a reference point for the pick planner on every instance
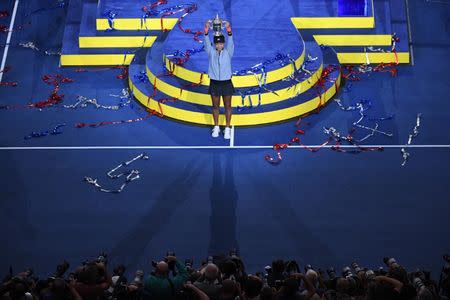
(324, 208)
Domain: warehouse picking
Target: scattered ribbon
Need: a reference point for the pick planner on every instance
(83, 102)
(362, 107)
(142, 77)
(130, 175)
(150, 10)
(110, 15)
(295, 140)
(117, 122)
(55, 131)
(335, 135)
(58, 4)
(5, 69)
(282, 59)
(54, 98)
(32, 46)
(9, 83)
(5, 28)
(411, 137)
(179, 57)
(4, 14)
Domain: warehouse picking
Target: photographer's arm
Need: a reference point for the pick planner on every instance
(200, 294)
(182, 275)
(108, 280)
(394, 282)
(311, 290)
(73, 291)
(5, 287)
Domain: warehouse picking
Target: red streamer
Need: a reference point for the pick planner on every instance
(9, 83)
(4, 14)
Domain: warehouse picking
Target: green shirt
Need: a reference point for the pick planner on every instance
(159, 288)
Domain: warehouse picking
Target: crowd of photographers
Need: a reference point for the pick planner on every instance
(225, 278)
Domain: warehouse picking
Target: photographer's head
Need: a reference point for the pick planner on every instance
(399, 273)
(291, 286)
(89, 273)
(312, 276)
(59, 288)
(390, 262)
(278, 266)
(162, 269)
(342, 285)
(266, 293)
(211, 272)
(229, 269)
(253, 286)
(229, 290)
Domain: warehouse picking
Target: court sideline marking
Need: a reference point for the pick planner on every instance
(210, 147)
(8, 39)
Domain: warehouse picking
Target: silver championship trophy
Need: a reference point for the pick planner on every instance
(217, 25)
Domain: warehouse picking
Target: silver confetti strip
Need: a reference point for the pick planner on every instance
(411, 137)
(29, 45)
(83, 102)
(130, 175)
(359, 106)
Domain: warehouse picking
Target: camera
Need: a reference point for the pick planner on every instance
(418, 283)
(279, 284)
(189, 264)
(102, 258)
(234, 253)
(119, 270)
(61, 269)
(369, 275)
(138, 277)
(292, 267)
(347, 272)
(331, 273)
(356, 267)
(390, 262)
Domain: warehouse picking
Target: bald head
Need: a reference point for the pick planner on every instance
(312, 276)
(211, 272)
(162, 268)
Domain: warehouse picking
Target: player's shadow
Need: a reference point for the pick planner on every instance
(223, 196)
(156, 218)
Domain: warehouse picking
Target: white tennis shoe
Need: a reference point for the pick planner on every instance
(215, 131)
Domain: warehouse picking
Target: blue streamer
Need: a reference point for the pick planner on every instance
(58, 4)
(142, 77)
(56, 130)
(110, 15)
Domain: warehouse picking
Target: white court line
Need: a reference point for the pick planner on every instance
(232, 137)
(209, 147)
(8, 39)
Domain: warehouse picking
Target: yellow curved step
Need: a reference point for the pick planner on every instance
(238, 119)
(205, 99)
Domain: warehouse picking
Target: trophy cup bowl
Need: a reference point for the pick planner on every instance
(217, 25)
